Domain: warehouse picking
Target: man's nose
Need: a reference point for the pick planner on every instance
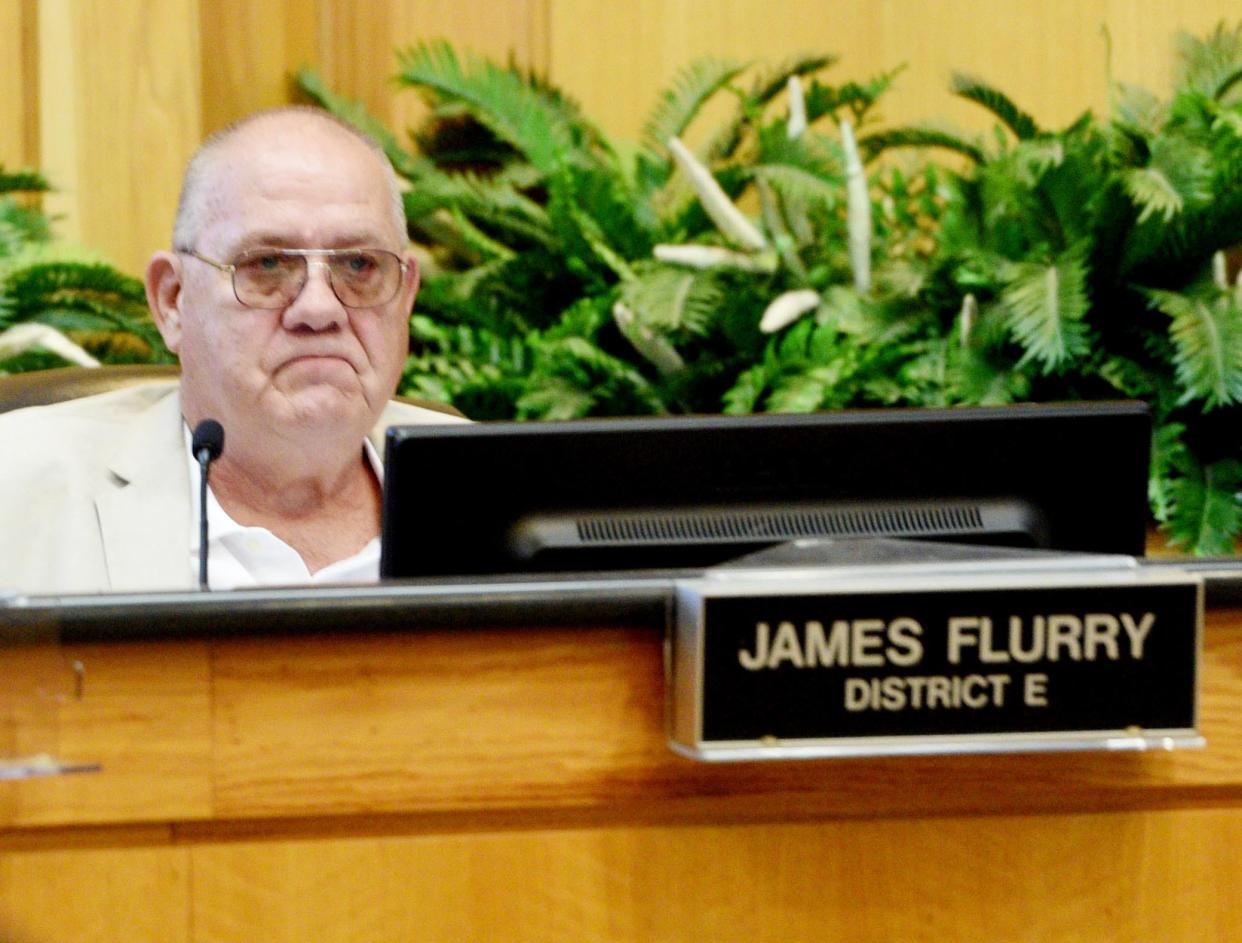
(316, 307)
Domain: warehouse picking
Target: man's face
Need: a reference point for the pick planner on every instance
(314, 365)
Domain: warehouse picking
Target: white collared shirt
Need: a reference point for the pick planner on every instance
(240, 557)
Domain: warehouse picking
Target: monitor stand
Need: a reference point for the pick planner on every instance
(849, 552)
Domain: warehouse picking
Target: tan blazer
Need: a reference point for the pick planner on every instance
(95, 493)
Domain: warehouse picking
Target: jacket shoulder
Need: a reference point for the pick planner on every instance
(54, 438)
(398, 413)
(115, 406)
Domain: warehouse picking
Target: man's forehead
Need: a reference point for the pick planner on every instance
(267, 159)
(285, 192)
(293, 131)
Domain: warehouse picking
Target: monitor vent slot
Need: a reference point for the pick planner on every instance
(778, 525)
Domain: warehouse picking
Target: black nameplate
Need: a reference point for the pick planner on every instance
(774, 669)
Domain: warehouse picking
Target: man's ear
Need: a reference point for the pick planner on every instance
(412, 277)
(163, 283)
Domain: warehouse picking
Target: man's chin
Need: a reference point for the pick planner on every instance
(324, 406)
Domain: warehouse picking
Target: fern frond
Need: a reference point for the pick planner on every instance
(1032, 159)
(821, 369)
(1018, 121)
(104, 310)
(976, 378)
(582, 377)
(819, 101)
(23, 181)
(604, 195)
(1168, 452)
(1162, 253)
(724, 143)
(1227, 83)
(788, 226)
(772, 83)
(552, 398)
(1228, 120)
(802, 392)
(476, 241)
(743, 397)
(588, 231)
(32, 284)
(1046, 308)
(517, 113)
(20, 227)
(857, 98)
(814, 152)
(1209, 65)
(478, 370)
(1139, 109)
(355, 112)
(876, 143)
(1206, 517)
(1207, 339)
(1178, 175)
(673, 299)
(1152, 192)
(490, 201)
(795, 183)
(681, 101)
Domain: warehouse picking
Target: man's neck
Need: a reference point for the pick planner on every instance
(326, 511)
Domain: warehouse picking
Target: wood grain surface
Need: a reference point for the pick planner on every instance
(519, 726)
(515, 784)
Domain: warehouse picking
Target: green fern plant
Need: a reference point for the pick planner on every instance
(782, 266)
(85, 310)
(1086, 253)
(550, 214)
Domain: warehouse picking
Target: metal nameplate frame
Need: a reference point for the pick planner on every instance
(1059, 652)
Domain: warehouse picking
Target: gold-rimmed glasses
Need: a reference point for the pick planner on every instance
(273, 278)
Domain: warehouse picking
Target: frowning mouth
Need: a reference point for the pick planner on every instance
(311, 359)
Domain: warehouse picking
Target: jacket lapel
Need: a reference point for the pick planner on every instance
(144, 513)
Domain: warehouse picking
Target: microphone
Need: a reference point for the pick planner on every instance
(207, 443)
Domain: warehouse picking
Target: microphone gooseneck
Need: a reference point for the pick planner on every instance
(207, 443)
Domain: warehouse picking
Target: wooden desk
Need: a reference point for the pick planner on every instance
(515, 784)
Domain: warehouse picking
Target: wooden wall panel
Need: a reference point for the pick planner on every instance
(145, 717)
(125, 90)
(1120, 876)
(1049, 55)
(616, 58)
(1014, 879)
(249, 50)
(120, 113)
(359, 46)
(98, 896)
(442, 730)
(19, 86)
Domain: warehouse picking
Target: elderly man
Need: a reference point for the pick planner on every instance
(286, 297)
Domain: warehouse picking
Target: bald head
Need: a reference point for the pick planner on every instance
(295, 126)
(303, 381)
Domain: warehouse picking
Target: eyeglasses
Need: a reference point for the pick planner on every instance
(273, 278)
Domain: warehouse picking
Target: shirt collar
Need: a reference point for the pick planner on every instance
(224, 532)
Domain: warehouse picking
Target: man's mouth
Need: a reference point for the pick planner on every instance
(317, 358)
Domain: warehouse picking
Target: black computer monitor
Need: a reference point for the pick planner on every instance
(678, 492)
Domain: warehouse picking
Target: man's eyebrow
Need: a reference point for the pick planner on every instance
(275, 240)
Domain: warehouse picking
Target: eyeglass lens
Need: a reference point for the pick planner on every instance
(360, 278)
